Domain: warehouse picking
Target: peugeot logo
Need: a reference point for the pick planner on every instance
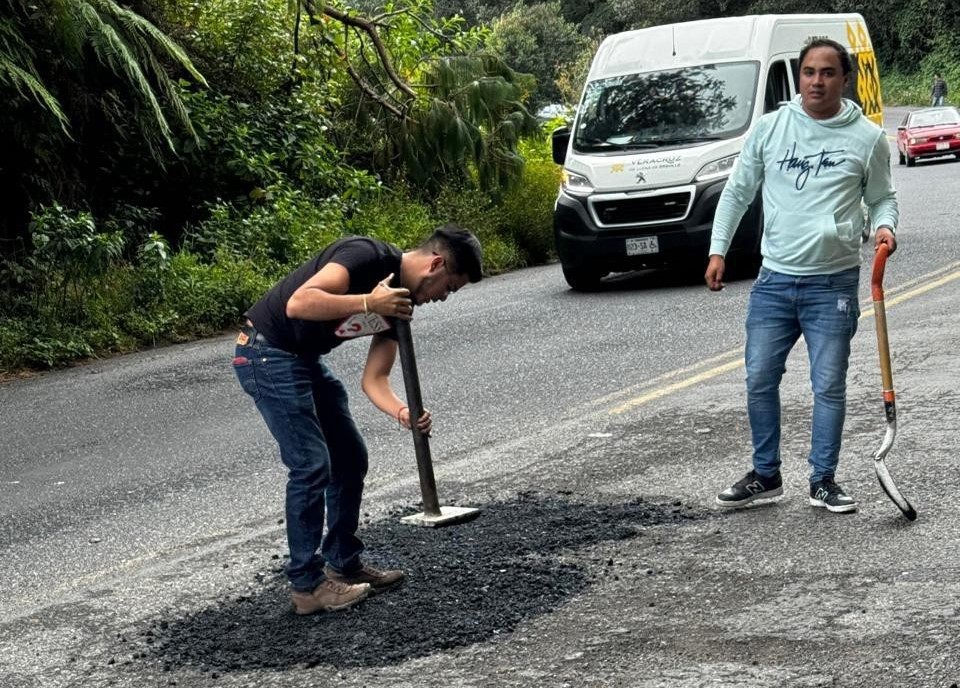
(640, 178)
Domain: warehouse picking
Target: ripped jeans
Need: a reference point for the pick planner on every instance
(825, 310)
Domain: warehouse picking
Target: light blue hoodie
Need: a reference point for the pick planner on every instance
(814, 174)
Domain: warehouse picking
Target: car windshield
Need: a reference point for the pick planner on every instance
(935, 118)
(675, 107)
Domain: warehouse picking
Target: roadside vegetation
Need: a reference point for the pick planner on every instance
(166, 160)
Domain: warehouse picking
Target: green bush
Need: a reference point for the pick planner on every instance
(277, 226)
(42, 343)
(399, 218)
(68, 261)
(500, 254)
(528, 207)
(79, 291)
(392, 216)
(476, 211)
(206, 297)
(135, 306)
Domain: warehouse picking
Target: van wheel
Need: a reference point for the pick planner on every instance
(902, 159)
(583, 279)
(911, 161)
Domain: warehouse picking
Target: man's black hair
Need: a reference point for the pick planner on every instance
(460, 248)
(846, 64)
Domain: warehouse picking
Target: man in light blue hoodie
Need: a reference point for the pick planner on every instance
(816, 159)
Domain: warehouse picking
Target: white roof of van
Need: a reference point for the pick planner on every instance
(713, 40)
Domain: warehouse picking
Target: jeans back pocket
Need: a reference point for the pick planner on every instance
(246, 372)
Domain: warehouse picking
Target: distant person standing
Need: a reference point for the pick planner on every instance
(938, 93)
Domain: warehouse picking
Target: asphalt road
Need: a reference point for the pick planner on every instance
(142, 491)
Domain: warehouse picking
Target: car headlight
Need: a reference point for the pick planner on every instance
(914, 140)
(717, 168)
(576, 184)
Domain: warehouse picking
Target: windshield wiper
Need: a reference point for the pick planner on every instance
(643, 143)
(601, 143)
(629, 145)
(690, 139)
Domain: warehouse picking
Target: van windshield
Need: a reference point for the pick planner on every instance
(668, 108)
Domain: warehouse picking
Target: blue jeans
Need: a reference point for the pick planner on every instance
(936, 101)
(825, 310)
(305, 408)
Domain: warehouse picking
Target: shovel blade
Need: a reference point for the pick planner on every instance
(448, 516)
(890, 487)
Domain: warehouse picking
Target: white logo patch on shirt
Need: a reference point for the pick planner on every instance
(362, 325)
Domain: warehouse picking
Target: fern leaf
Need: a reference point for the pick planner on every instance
(21, 80)
(137, 24)
(113, 51)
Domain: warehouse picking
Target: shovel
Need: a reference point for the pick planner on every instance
(889, 399)
(433, 515)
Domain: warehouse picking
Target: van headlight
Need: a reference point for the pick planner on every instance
(576, 184)
(716, 169)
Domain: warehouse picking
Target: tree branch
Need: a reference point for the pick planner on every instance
(370, 29)
(362, 83)
(429, 29)
(390, 93)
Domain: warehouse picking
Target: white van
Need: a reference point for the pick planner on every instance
(664, 114)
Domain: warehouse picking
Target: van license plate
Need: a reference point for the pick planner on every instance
(640, 245)
(943, 145)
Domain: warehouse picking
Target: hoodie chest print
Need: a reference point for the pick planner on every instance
(804, 164)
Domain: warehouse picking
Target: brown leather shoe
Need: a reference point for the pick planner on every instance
(329, 596)
(377, 579)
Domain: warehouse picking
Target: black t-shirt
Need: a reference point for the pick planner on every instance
(368, 261)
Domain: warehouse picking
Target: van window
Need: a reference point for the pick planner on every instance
(778, 88)
(667, 108)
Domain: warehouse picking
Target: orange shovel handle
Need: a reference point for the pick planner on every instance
(879, 264)
(880, 315)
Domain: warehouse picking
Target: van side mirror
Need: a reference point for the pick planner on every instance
(560, 140)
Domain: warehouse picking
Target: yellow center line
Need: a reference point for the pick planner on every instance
(905, 286)
(676, 386)
(660, 392)
(922, 289)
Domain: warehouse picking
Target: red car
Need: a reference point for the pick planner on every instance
(928, 133)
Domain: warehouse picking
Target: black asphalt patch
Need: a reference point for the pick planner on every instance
(466, 583)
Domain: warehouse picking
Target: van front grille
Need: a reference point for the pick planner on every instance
(645, 209)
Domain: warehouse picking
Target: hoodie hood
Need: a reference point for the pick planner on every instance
(849, 111)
